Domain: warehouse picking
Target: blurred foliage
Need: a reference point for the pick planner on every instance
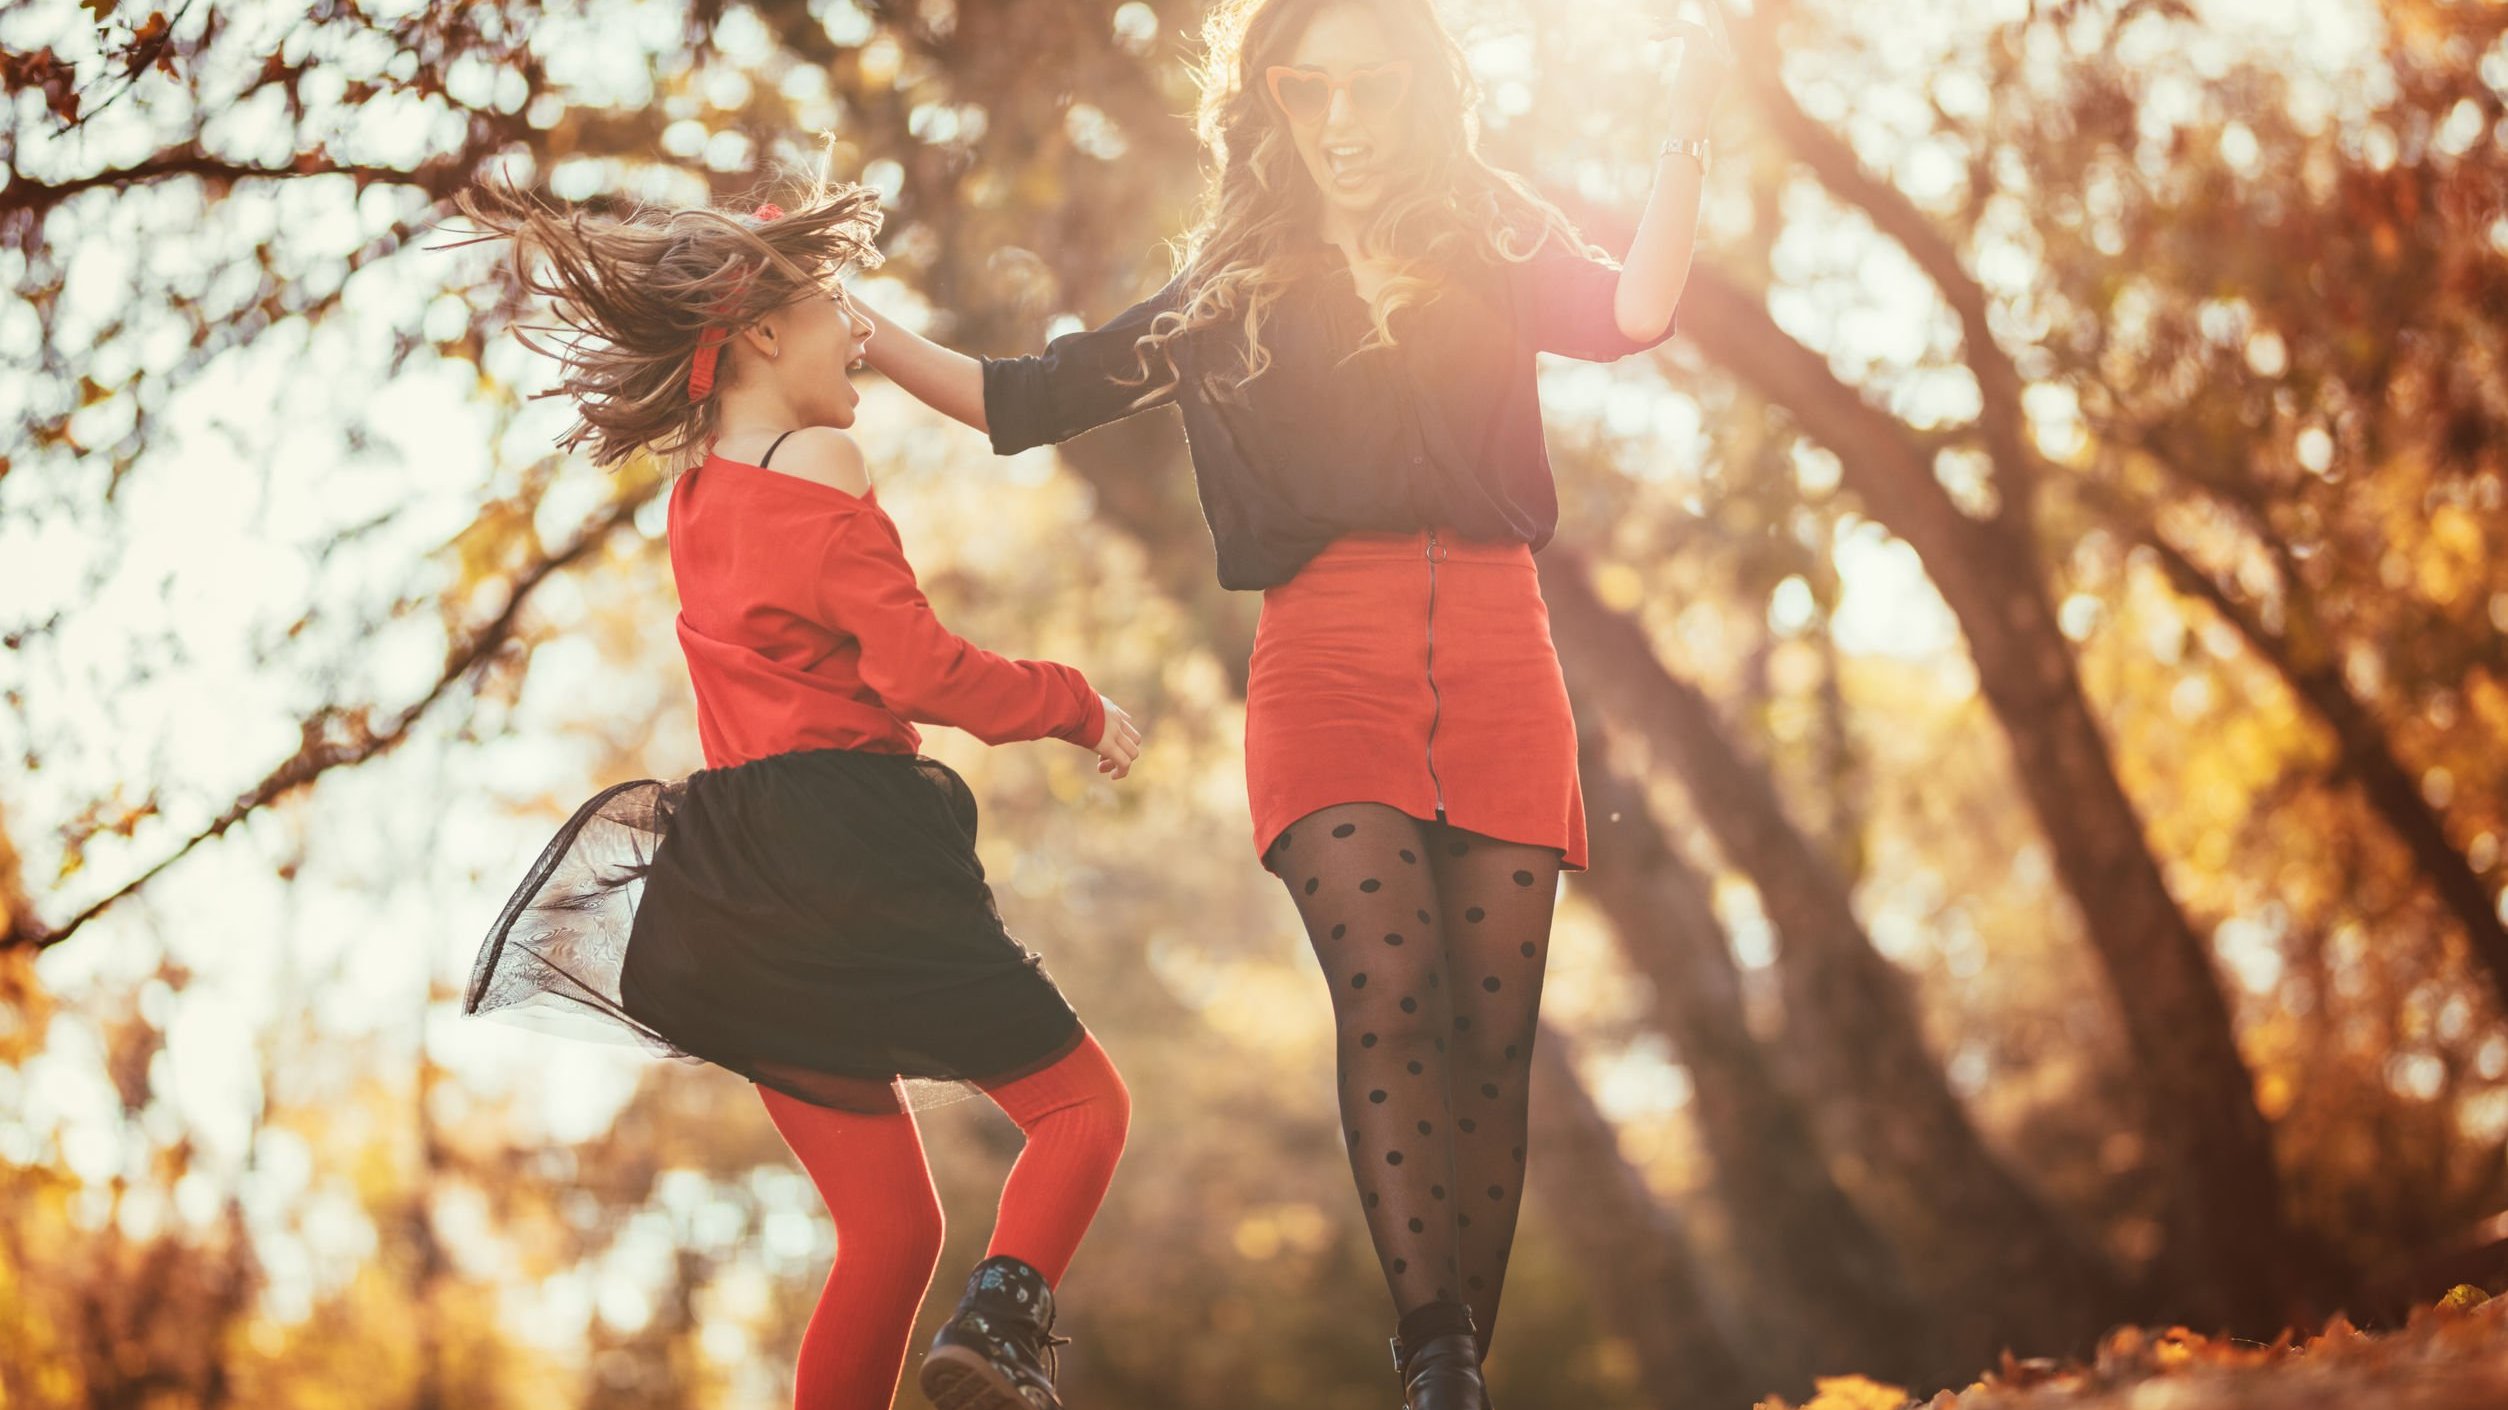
(2097, 395)
(2453, 1356)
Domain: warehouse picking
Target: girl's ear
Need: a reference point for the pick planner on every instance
(762, 336)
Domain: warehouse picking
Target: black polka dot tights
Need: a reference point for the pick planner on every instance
(1434, 940)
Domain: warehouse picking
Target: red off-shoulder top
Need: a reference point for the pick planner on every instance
(804, 628)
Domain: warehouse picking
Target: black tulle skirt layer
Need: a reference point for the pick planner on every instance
(816, 922)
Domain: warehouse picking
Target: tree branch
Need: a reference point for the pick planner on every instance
(1880, 459)
(1842, 173)
(2367, 755)
(336, 738)
(28, 200)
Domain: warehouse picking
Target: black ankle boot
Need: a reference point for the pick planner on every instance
(997, 1351)
(1441, 1370)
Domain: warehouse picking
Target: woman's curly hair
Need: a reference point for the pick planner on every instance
(635, 294)
(1450, 205)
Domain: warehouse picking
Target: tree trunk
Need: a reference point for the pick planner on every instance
(1825, 1287)
(2229, 1235)
(2213, 1141)
(1144, 485)
(1641, 1272)
(2002, 1268)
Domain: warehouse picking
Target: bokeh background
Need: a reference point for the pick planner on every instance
(2037, 631)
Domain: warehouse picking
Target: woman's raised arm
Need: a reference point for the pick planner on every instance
(1657, 267)
(949, 382)
(1081, 380)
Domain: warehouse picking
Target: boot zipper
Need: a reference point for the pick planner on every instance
(1436, 710)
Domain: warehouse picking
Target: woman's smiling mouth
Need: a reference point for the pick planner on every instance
(1349, 162)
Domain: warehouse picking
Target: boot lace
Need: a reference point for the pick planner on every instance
(1048, 1351)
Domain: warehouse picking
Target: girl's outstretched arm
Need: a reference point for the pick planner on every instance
(928, 673)
(1658, 261)
(950, 383)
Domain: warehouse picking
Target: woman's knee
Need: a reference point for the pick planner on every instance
(1415, 1033)
(1485, 1047)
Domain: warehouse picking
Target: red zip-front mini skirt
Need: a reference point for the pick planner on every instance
(1417, 671)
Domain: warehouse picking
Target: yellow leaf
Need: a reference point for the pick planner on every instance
(2463, 1297)
(1855, 1393)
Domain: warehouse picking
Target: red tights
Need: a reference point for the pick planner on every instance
(871, 1172)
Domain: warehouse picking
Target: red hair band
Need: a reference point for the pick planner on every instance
(710, 342)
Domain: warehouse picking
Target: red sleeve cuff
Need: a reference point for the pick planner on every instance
(1092, 725)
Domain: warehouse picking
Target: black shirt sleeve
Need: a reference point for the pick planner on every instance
(1564, 300)
(1081, 381)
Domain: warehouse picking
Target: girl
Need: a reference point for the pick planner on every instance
(1352, 343)
(808, 910)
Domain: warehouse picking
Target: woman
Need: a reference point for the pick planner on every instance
(808, 911)
(1351, 343)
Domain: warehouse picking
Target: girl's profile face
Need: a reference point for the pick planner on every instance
(1344, 93)
(818, 339)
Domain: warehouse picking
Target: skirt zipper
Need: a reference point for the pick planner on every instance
(1436, 708)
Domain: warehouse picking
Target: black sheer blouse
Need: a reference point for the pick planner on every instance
(1440, 431)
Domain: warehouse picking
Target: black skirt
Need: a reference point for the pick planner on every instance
(817, 922)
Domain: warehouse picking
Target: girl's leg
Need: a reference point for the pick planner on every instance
(994, 1353)
(1360, 875)
(1496, 900)
(1075, 1114)
(871, 1172)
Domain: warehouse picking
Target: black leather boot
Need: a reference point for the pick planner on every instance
(1440, 1370)
(997, 1350)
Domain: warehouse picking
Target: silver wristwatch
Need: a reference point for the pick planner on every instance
(1693, 147)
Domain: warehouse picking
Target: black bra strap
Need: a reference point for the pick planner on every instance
(769, 458)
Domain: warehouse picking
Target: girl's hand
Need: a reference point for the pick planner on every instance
(1707, 65)
(1120, 745)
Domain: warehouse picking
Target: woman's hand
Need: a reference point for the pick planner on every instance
(1707, 65)
(950, 383)
(1120, 745)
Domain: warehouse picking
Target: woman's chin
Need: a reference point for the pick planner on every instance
(1358, 203)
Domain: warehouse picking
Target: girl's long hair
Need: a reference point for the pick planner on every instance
(634, 295)
(1448, 206)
